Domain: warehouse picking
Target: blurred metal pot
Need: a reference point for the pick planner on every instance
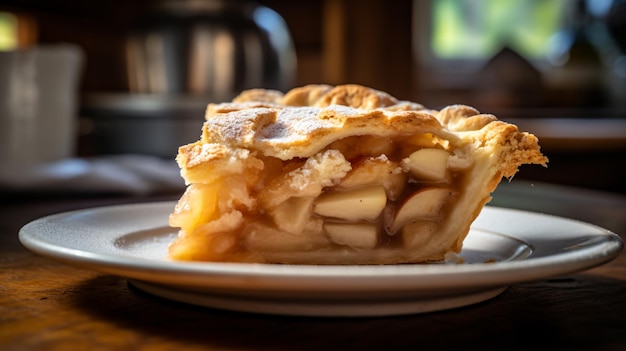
(182, 55)
(213, 48)
(145, 124)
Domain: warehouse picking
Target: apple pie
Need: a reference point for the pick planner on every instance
(339, 175)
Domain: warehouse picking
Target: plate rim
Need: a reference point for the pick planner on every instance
(200, 274)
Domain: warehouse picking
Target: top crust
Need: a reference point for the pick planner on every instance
(302, 131)
(305, 120)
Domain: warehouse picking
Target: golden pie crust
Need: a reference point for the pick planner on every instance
(339, 175)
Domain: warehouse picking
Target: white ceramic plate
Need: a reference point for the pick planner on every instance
(504, 247)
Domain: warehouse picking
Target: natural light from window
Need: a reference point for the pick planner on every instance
(477, 29)
(8, 31)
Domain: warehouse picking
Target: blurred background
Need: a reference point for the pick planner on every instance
(556, 68)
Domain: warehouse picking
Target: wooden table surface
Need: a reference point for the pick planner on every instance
(46, 305)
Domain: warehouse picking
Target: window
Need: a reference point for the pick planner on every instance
(457, 36)
(478, 29)
(8, 31)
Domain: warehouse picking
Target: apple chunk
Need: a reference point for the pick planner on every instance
(356, 235)
(373, 171)
(417, 234)
(354, 205)
(258, 237)
(428, 164)
(198, 205)
(293, 214)
(423, 204)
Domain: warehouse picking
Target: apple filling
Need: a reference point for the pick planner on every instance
(395, 200)
(343, 175)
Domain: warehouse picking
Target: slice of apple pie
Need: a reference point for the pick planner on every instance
(339, 175)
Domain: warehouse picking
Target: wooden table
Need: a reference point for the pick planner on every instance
(45, 305)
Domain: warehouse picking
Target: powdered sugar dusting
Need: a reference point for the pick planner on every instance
(286, 132)
(300, 122)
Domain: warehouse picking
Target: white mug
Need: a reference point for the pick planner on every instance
(39, 90)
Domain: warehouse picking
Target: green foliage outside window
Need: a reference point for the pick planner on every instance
(8, 31)
(477, 29)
